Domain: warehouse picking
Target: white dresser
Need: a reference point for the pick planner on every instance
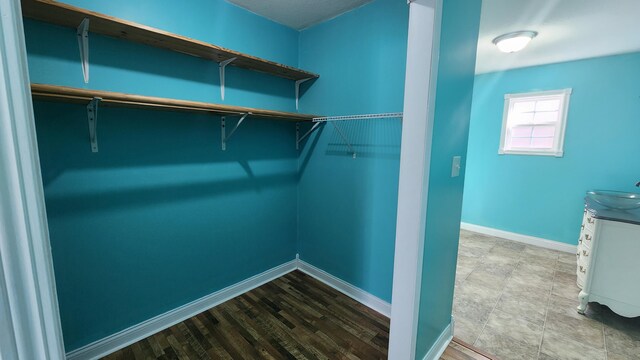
(609, 260)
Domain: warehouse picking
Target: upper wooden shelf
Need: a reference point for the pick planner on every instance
(71, 16)
(108, 98)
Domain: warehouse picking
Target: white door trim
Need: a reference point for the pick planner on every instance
(415, 160)
(27, 283)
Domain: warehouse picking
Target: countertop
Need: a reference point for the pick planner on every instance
(601, 212)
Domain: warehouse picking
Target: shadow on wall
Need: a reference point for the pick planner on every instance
(124, 66)
(377, 138)
(160, 214)
(181, 160)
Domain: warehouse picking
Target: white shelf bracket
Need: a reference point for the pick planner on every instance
(92, 117)
(344, 138)
(223, 66)
(223, 130)
(304, 136)
(298, 83)
(83, 44)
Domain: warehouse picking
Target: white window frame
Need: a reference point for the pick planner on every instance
(558, 145)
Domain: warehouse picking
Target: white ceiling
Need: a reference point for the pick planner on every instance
(299, 14)
(568, 30)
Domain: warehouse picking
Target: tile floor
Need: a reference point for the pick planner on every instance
(518, 301)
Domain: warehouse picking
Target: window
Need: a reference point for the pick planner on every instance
(534, 123)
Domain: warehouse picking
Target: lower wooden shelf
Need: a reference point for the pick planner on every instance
(108, 98)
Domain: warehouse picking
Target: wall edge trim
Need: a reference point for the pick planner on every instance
(158, 323)
(441, 344)
(371, 301)
(521, 238)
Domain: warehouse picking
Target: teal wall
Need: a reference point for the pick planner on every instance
(347, 207)
(543, 196)
(456, 66)
(161, 216)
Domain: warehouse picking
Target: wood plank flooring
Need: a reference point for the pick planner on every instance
(292, 317)
(459, 350)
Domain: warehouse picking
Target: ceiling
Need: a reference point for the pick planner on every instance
(568, 30)
(299, 14)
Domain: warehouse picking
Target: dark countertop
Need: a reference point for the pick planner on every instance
(601, 212)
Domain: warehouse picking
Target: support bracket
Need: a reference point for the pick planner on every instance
(223, 131)
(298, 83)
(304, 136)
(92, 117)
(83, 44)
(344, 138)
(223, 66)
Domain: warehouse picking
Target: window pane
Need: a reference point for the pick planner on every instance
(524, 106)
(548, 105)
(544, 131)
(521, 118)
(521, 131)
(542, 143)
(545, 117)
(520, 143)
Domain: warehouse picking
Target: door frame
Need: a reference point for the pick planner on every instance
(415, 160)
(28, 294)
(27, 285)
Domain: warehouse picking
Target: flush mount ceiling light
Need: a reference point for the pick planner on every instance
(514, 41)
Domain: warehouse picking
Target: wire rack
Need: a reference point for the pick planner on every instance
(359, 117)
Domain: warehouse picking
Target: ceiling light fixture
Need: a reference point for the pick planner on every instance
(514, 41)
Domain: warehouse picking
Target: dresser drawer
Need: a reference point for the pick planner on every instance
(586, 238)
(588, 221)
(582, 267)
(583, 254)
(579, 262)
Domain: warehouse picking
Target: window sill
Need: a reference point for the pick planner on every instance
(536, 153)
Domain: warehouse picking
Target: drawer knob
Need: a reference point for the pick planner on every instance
(582, 269)
(584, 253)
(590, 220)
(588, 237)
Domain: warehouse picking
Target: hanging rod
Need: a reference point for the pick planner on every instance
(359, 117)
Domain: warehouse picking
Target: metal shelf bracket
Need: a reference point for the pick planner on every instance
(92, 117)
(223, 66)
(298, 83)
(304, 136)
(223, 131)
(83, 44)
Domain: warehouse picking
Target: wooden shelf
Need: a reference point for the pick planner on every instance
(108, 98)
(71, 16)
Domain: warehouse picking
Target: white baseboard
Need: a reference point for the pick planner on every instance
(438, 348)
(147, 328)
(526, 239)
(344, 287)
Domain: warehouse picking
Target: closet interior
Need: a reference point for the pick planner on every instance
(194, 151)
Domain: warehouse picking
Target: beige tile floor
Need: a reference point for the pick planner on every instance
(519, 301)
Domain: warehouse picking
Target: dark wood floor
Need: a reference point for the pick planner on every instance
(292, 317)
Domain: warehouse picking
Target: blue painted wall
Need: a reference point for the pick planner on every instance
(456, 66)
(347, 207)
(123, 66)
(161, 216)
(543, 196)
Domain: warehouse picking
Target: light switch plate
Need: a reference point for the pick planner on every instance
(455, 166)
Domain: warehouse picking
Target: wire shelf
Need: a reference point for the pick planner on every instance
(359, 117)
